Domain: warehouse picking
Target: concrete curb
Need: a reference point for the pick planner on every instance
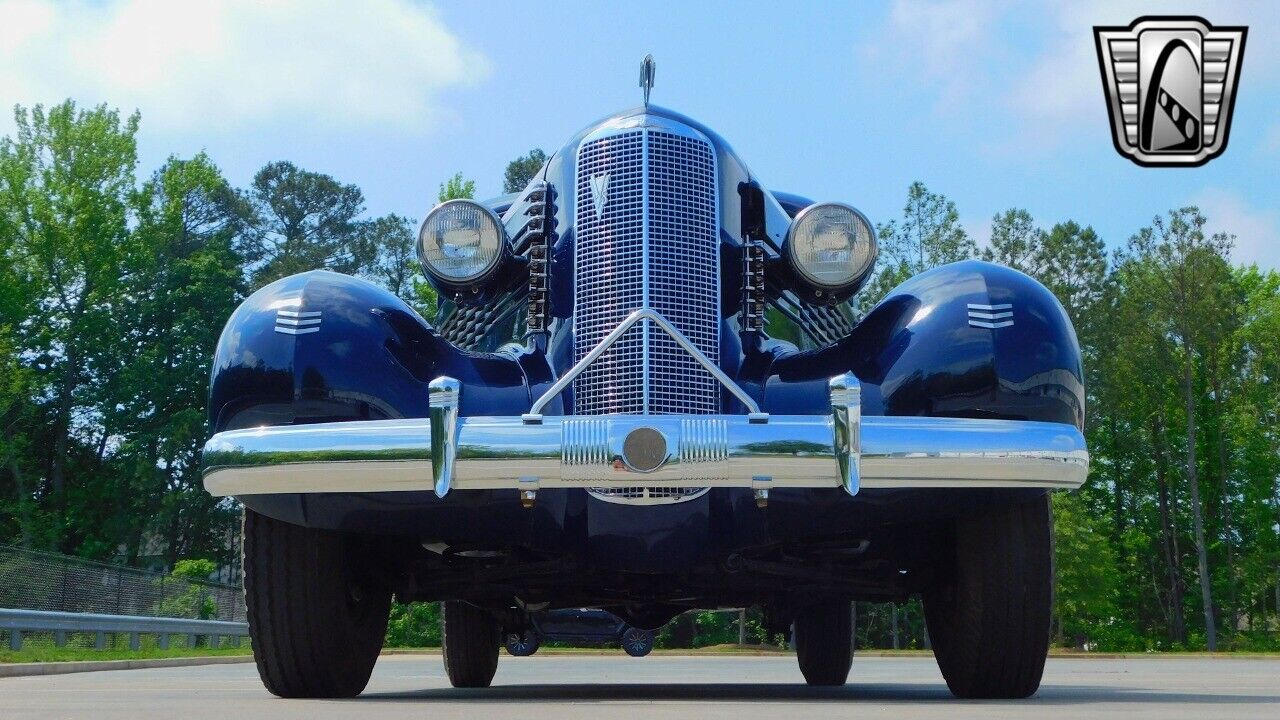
(60, 668)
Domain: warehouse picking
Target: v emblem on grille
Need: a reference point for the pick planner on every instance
(600, 193)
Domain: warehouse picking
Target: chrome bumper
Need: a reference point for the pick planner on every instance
(757, 450)
(703, 451)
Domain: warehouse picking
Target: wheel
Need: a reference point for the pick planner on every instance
(637, 642)
(523, 644)
(824, 643)
(988, 616)
(316, 627)
(471, 640)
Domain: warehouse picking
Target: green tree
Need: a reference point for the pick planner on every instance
(1184, 272)
(1072, 262)
(16, 385)
(457, 188)
(1085, 567)
(305, 221)
(397, 264)
(1015, 241)
(192, 600)
(414, 625)
(928, 235)
(1133, 402)
(65, 181)
(185, 281)
(521, 170)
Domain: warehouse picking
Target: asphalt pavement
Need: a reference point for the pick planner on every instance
(660, 686)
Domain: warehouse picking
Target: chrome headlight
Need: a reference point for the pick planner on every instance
(461, 241)
(831, 246)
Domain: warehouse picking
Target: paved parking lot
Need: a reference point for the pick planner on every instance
(741, 688)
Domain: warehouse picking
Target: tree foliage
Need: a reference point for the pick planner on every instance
(113, 291)
(306, 220)
(521, 170)
(457, 188)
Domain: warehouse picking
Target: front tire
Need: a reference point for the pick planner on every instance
(824, 643)
(471, 640)
(989, 615)
(317, 628)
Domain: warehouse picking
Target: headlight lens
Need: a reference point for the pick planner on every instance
(460, 241)
(831, 245)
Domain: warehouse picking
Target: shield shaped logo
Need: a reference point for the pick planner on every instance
(1171, 87)
(600, 193)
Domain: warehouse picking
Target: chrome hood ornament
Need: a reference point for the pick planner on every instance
(600, 193)
(646, 77)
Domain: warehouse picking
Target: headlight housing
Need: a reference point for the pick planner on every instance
(461, 241)
(832, 247)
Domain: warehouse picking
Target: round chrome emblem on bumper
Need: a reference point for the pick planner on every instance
(644, 449)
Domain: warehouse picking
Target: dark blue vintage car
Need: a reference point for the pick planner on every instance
(580, 626)
(646, 391)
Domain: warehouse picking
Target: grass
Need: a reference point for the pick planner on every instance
(40, 647)
(70, 654)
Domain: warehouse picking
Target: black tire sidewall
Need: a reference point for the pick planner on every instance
(989, 613)
(824, 642)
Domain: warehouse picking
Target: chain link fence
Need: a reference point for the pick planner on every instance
(31, 580)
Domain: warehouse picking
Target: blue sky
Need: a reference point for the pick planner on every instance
(995, 104)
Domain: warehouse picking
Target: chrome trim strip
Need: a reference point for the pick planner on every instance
(990, 325)
(791, 450)
(990, 317)
(295, 322)
(534, 415)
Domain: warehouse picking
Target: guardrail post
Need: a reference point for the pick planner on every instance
(135, 641)
(213, 642)
(191, 640)
(15, 639)
(162, 641)
(60, 638)
(99, 640)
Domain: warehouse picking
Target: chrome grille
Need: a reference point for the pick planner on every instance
(654, 244)
(644, 495)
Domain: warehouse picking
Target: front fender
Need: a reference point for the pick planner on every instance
(928, 349)
(322, 347)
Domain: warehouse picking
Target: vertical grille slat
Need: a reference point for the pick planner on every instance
(656, 244)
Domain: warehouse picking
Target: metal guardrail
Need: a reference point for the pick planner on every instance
(17, 622)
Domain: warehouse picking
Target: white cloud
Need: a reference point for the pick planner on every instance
(237, 64)
(1257, 230)
(941, 44)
